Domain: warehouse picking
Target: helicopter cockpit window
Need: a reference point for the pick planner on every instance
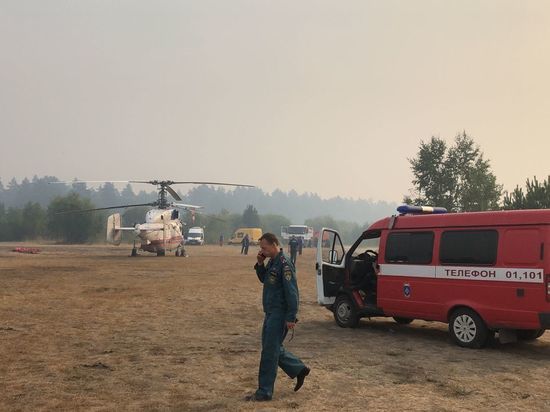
(175, 214)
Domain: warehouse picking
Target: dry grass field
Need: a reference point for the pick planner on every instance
(89, 328)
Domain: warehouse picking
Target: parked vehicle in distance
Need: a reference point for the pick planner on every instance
(195, 236)
(254, 234)
(298, 231)
(481, 273)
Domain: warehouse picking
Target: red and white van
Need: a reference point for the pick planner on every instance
(479, 272)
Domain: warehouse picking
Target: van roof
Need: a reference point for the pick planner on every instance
(468, 219)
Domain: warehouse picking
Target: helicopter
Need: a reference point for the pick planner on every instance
(163, 228)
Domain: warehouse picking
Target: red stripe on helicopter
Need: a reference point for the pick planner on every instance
(176, 239)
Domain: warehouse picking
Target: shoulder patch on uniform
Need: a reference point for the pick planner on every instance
(288, 274)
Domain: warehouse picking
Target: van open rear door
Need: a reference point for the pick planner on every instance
(330, 266)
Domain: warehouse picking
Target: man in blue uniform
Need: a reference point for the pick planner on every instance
(280, 304)
(245, 244)
(293, 249)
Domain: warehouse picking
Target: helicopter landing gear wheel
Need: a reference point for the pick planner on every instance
(180, 251)
(134, 252)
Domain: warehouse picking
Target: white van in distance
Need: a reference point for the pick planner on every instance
(195, 236)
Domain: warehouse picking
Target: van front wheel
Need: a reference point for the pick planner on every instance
(468, 329)
(345, 313)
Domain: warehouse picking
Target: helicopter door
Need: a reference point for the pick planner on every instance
(330, 266)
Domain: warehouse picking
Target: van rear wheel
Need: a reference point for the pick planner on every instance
(530, 334)
(467, 329)
(345, 313)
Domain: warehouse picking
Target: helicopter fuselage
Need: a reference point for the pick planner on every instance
(162, 231)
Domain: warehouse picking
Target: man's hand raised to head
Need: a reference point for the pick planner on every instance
(260, 257)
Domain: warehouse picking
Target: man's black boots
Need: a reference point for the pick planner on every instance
(300, 378)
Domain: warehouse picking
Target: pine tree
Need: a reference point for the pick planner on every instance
(251, 217)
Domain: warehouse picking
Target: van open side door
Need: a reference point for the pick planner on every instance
(330, 266)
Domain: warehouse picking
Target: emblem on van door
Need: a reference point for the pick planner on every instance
(407, 290)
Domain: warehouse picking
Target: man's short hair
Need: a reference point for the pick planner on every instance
(270, 238)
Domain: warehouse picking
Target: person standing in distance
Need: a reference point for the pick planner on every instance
(245, 244)
(293, 249)
(280, 303)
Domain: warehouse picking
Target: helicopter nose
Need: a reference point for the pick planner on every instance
(137, 228)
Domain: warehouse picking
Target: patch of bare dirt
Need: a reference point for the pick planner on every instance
(87, 327)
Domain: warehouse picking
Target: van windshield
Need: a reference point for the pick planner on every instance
(297, 230)
(367, 244)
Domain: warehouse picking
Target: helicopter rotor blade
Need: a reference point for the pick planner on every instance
(173, 193)
(211, 183)
(89, 181)
(153, 182)
(63, 212)
(186, 206)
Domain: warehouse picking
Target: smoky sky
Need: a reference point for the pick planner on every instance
(330, 97)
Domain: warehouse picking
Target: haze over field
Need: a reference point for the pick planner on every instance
(335, 95)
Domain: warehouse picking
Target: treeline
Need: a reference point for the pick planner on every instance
(296, 207)
(225, 223)
(43, 190)
(33, 221)
(455, 176)
(28, 210)
(536, 196)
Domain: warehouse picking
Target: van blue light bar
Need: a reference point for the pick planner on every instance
(424, 210)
